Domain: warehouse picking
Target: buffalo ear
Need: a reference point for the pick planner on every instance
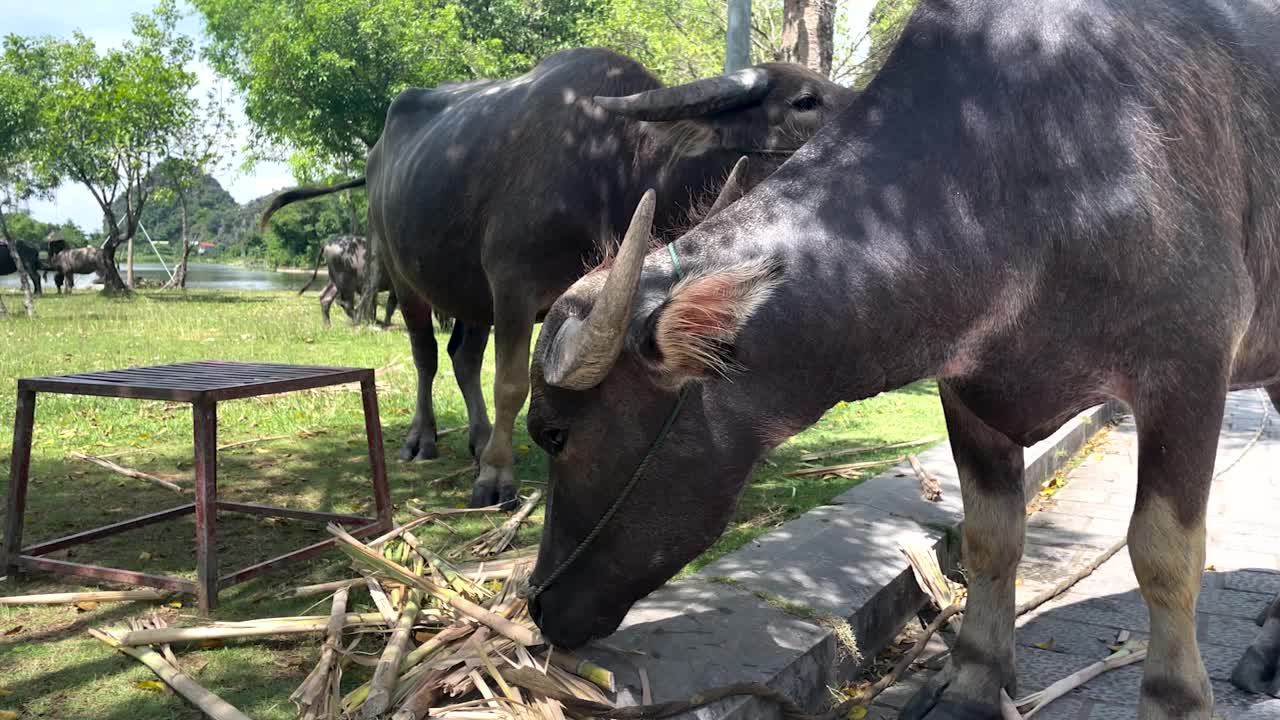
(694, 331)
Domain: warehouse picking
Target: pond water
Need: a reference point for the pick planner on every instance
(200, 276)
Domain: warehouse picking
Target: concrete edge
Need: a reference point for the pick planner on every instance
(807, 670)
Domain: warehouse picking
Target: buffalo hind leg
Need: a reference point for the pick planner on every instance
(421, 441)
(1178, 426)
(991, 483)
(466, 349)
(514, 315)
(1259, 670)
(391, 308)
(326, 302)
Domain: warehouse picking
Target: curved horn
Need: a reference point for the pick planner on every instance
(584, 350)
(700, 97)
(732, 190)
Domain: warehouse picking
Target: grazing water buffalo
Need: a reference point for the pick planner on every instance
(488, 199)
(67, 262)
(30, 261)
(344, 257)
(1043, 205)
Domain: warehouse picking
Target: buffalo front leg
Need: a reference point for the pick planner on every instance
(1178, 427)
(421, 441)
(1274, 392)
(466, 350)
(514, 315)
(991, 483)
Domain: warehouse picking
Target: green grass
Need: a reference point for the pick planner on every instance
(49, 666)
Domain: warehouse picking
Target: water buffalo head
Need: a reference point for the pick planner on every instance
(768, 108)
(618, 354)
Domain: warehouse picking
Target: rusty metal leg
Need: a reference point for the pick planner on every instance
(19, 474)
(205, 417)
(377, 461)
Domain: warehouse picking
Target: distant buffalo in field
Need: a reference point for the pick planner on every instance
(30, 260)
(67, 262)
(345, 258)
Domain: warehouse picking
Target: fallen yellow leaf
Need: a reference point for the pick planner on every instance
(175, 604)
(87, 606)
(144, 555)
(8, 715)
(1045, 644)
(857, 713)
(5, 692)
(211, 643)
(152, 685)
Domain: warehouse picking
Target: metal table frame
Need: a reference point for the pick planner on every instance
(204, 385)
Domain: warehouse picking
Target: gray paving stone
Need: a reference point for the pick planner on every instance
(1118, 687)
(1110, 711)
(1067, 708)
(1233, 602)
(1037, 669)
(1080, 639)
(1263, 710)
(1226, 630)
(1091, 510)
(1260, 582)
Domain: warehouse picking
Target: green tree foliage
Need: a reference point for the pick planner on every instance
(319, 74)
(109, 117)
(884, 26)
(520, 33)
(19, 132)
(212, 210)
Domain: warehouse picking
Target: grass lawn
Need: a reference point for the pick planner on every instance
(49, 666)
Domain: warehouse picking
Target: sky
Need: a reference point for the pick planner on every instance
(108, 23)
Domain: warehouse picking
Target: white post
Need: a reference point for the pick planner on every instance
(737, 38)
(147, 235)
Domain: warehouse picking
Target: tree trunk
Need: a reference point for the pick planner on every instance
(12, 243)
(179, 279)
(808, 33)
(351, 209)
(737, 37)
(129, 264)
(112, 283)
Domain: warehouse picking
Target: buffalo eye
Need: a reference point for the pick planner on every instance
(553, 439)
(806, 102)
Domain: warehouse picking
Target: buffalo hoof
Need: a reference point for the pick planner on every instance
(1256, 673)
(419, 449)
(495, 486)
(938, 700)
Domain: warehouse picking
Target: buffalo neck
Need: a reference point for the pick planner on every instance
(875, 296)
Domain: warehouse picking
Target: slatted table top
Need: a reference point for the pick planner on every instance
(193, 381)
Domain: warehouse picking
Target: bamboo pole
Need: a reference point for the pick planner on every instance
(127, 472)
(94, 596)
(162, 635)
(209, 703)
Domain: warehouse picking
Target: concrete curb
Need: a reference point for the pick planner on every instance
(798, 608)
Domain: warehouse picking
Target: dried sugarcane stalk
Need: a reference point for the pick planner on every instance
(846, 466)
(930, 490)
(585, 669)
(94, 596)
(812, 457)
(127, 472)
(497, 539)
(421, 698)
(380, 599)
(385, 676)
(311, 590)
(362, 554)
(209, 703)
(316, 696)
(221, 632)
(1132, 652)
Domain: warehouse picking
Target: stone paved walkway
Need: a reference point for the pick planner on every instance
(1090, 514)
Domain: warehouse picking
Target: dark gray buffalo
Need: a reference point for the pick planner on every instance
(30, 262)
(66, 262)
(1042, 204)
(488, 199)
(344, 258)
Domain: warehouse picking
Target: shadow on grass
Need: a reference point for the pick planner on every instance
(204, 296)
